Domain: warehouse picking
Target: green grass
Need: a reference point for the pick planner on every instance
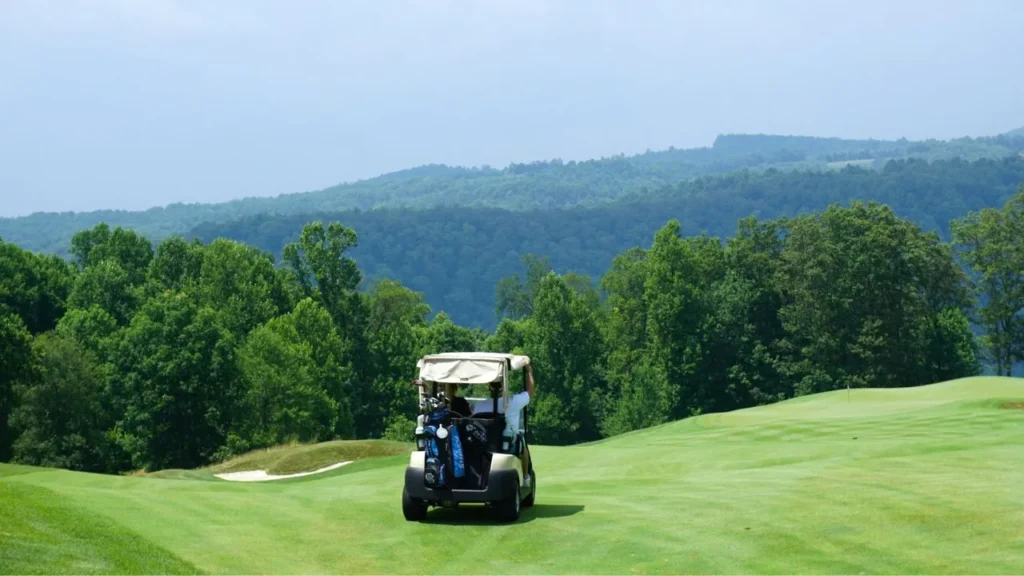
(290, 459)
(917, 480)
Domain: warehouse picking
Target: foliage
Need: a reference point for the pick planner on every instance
(179, 383)
(400, 428)
(515, 296)
(533, 186)
(62, 415)
(33, 286)
(564, 343)
(16, 364)
(129, 250)
(187, 352)
(395, 331)
(285, 400)
(325, 273)
(990, 244)
(864, 291)
(456, 256)
(239, 282)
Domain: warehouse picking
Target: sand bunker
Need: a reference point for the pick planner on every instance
(262, 476)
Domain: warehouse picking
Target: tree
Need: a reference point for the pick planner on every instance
(62, 417)
(564, 343)
(952, 350)
(108, 286)
(395, 333)
(176, 264)
(991, 243)
(285, 399)
(514, 296)
(509, 338)
(333, 357)
(131, 251)
(643, 400)
(325, 273)
(177, 376)
(677, 291)
(639, 394)
(626, 318)
(864, 291)
(35, 287)
(94, 328)
(747, 306)
(17, 364)
(443, 335)
(239, 282)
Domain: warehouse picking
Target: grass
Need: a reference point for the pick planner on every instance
(917, 480)
(290, 459)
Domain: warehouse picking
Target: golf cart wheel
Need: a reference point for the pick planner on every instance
(528, 501)
(508, 509)
(413, 509)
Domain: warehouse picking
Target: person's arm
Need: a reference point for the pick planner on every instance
(529, 380)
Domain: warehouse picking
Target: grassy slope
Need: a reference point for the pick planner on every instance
(912, 480)
(297, 458)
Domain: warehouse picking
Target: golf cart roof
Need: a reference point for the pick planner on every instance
(468, 367)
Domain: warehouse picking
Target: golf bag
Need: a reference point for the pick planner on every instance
(474, 441)
(443, 446)
(435, 472)
(436, 469)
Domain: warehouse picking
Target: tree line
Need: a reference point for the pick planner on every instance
(455, 256)
(140, 357)
(850, 297)
(135, 357)
(539, 186)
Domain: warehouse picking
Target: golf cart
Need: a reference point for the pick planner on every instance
(468, 458)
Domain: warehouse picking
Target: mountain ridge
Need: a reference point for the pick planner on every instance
(539, 185)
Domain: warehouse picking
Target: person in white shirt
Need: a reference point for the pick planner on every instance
(513, 414)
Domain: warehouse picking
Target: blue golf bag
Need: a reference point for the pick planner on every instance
(444, 456)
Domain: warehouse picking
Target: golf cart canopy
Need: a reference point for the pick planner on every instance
(468, 367)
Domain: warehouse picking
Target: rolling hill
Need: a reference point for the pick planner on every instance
(912, 480)
(470, 249)
(531, 186)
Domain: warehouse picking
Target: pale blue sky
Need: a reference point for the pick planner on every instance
(137, 103)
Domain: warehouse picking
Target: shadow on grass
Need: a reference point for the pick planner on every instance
(479, 515)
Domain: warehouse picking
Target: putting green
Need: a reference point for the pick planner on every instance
(916, 480)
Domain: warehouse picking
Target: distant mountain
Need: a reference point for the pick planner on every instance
(455, 256)
(535, 186)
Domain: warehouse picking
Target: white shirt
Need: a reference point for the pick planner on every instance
(516, 402)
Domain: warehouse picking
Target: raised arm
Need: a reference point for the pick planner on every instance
(529, 380)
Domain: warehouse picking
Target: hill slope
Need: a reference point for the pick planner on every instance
(531, 186)
(906, 480)
(470, 249)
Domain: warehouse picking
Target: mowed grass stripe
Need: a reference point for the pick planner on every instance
(919, 480)
(41, 532)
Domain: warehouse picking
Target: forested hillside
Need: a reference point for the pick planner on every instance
(530, 186)
(134, 356)
(455, 256)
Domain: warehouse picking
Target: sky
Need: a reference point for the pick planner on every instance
(130, 104)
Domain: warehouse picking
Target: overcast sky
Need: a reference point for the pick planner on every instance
(138, 103)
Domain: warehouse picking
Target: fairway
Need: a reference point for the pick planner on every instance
(913, 480)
